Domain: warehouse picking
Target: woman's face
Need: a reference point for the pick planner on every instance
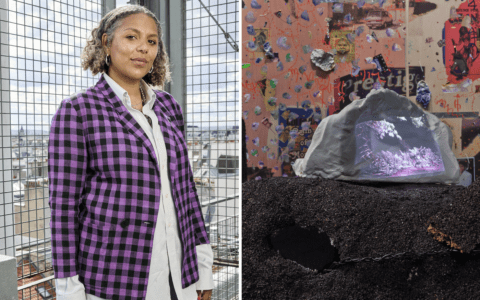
(133, 49)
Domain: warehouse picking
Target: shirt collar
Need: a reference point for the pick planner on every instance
(122, 94)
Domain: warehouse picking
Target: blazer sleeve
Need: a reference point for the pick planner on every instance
(67, 165)
(198, 221)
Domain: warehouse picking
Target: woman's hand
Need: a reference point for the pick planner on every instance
(205, 295)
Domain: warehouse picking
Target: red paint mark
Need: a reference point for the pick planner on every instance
(341, 87)
(456, 103)
(309, 75)
(294, 71)
(382, 82)
(249, 87)
(443, 103)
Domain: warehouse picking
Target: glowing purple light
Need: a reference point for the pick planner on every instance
(390, 155)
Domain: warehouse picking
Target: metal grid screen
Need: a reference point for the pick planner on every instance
(212, 131)
(41, 43)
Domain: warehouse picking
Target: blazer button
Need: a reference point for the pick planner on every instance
(124, 223)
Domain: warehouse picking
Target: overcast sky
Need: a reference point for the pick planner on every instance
(37, 29)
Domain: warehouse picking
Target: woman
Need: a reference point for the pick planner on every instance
(465, 176)
(125, 216)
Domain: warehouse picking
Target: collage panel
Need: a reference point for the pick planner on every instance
(447, 48)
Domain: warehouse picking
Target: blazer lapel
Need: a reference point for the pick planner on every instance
(168, 130)
(125, 118)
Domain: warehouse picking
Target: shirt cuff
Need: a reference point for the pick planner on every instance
(69, 288)
(205, 263)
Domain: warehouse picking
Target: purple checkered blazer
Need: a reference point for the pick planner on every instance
(105, 191)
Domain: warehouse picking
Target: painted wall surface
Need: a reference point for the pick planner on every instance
(285, 95)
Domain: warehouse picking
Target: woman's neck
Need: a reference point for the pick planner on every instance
(131, 86)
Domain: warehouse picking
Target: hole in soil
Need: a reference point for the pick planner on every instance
(305, 246)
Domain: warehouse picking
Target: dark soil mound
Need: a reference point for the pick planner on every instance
(306, 246)
(363, 220)
(458, 224)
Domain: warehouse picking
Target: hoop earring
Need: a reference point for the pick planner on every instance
(151, 70)
(106, 60)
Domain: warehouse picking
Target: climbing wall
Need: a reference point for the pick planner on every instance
(385, 43)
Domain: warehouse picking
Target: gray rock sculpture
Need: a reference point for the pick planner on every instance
(383, 137)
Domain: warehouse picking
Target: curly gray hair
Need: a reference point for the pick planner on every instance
(93, 55)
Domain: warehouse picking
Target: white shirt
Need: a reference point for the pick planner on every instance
(465, 179)
(167, 247)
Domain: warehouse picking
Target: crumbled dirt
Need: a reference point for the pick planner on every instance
(363, 220)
